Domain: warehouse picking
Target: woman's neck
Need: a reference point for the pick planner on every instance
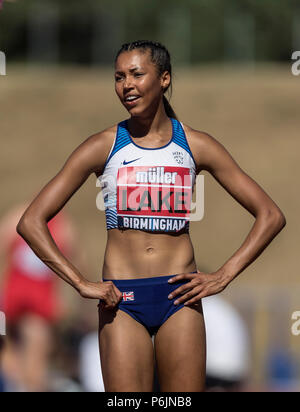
(141, 126)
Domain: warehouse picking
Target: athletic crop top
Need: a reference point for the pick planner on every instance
(148, 188)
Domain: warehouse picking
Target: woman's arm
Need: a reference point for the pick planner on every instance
(269, 219)
(211, 155)
(89, 157)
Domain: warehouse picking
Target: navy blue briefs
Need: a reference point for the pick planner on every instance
(146, 299)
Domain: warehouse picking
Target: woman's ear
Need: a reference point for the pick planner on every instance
(165, 80)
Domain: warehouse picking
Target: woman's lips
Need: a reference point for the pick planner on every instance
(132, 102)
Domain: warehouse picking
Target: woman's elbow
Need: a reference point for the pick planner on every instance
(282, 221)
(278, 219)
(22, 226)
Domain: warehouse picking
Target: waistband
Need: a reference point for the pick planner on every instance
(156, 280)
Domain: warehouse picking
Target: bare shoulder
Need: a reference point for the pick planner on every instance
(201, 144)
(97, 147)
(102, 139)
(106, 132)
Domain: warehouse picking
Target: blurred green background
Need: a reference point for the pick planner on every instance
(232, 79)
(195, 30)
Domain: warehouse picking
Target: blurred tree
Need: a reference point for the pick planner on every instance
(194, 30)
(42, 29)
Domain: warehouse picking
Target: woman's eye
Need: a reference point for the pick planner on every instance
(138, 74)
(118, 79)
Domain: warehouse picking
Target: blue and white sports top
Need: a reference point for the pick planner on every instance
(148, 188)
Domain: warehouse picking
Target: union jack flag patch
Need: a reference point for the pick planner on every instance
(128, 296)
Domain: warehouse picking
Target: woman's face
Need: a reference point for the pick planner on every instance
(137, 83)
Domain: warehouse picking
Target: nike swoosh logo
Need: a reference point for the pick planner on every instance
(126, 163)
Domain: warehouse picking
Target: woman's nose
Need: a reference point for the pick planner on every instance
(128, 83)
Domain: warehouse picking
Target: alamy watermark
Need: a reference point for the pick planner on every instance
(2, 64)
(296, 325)
(2, 323)
(160, 195)
(296, 64)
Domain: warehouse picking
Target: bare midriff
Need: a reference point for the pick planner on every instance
(133, 254)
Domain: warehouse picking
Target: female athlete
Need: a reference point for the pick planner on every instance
(150, 283)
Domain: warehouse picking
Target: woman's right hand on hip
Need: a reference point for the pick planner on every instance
(107, 292)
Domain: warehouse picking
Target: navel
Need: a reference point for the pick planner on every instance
(149, 250)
